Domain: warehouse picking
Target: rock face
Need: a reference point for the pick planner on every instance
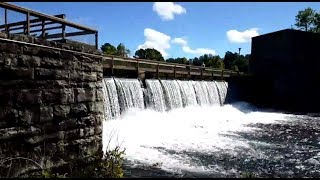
(50, 101)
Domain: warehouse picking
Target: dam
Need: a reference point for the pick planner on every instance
(63, 101)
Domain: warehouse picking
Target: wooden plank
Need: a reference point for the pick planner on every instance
(158, 70)
(96, 40)
(46, 29)
(63, 29)
(59, 35)
(174, 71)
(31, 26)
(138, 69)
(222, 74)
(43, 31)
(21, 23)
(28, 23)
(112, 66)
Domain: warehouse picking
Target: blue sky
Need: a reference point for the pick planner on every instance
(178, 29)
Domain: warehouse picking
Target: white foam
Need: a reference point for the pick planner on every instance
(145, 133)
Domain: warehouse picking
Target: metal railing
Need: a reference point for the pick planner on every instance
(40, 24)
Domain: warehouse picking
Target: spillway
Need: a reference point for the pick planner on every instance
(160, 95)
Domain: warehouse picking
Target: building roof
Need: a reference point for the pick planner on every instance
(283, 31)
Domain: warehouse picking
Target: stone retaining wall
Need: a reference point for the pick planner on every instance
(51, 102)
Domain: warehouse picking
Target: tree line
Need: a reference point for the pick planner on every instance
(229, 61)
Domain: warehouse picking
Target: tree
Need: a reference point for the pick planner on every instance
(149, 53)
(108, 49)
(241, 63)
(316, 23)
(228, 59)
(122, 51)
(215, 62)
(141, 53)
(196, 61)
(305, 19)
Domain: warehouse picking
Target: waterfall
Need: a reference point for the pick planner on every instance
(112, 108)
(213, 92)
(154, 95)
(201, 93)
(222, 88)
(187, 93)
(121, 94)
(172, 94)
(130, 93)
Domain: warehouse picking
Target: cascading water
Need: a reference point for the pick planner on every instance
(112, 108)
(201, 92)
(155, 95)
(222, 88)
(187, 93)
(172, 94)
(130, 93)
(160, 95)
(213, 92)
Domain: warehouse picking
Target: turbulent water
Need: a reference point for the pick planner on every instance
(184, 132)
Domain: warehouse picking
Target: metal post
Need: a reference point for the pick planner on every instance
(6, 20)
(189, 72)
(28, 23)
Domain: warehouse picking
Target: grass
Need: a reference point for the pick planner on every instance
(108, 166)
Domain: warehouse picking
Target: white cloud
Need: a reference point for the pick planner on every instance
(166, 10)
(179, 41)
(198, 51)
(235, 36)
(187, 49)
(157, 40)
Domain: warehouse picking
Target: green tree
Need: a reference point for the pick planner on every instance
(122, 50)
(215, 62)
(305, 19)
(141, 53)
(196, 61)
(241, 63)
(149, 53)
(228, 59)
(316, 23)
(108, 49)
(171, 60)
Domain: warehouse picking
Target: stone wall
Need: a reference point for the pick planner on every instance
(51, 103)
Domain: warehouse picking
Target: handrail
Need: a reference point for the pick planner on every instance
(42, 20)
(41, 15)
(154, 62)
(104, 57)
